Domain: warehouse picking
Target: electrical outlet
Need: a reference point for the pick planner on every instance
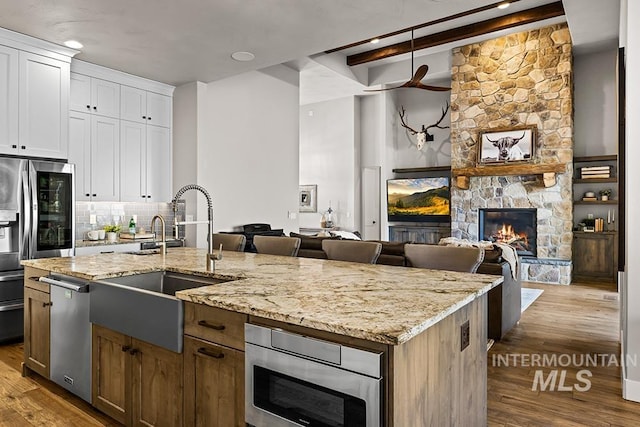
(135, 218)
(464, 335)
(92, 219)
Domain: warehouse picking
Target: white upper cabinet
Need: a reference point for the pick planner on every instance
(141, 106)
(8, 101)
(43, 111)
(158, 165)
(96, 96)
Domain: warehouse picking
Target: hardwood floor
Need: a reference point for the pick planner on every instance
(565, 320)
(573, 320)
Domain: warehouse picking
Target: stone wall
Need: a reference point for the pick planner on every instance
(519, 79)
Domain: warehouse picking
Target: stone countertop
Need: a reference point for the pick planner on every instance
(379, 303)
(105, 242)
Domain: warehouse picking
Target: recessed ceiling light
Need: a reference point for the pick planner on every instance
(375, 41)
(73, 44)
(243, 56)
(504, 5)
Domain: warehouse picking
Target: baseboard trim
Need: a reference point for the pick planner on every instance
(631, 390)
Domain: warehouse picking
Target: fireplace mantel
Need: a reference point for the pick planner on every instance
(547, 170)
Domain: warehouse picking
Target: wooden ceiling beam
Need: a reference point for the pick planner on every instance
(551, 10)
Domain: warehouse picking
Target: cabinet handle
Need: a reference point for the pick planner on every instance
(206, 352)
(134, 351)
(126, 347)
(94, 195)
(95, 108)
(47, 304)
(24, 147)
(14, 146)
(89, 107)
(88, 195)
(144, 117)
(149, 118)
(35, 278)
(211, 326)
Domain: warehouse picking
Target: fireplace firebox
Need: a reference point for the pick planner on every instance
(516, 227)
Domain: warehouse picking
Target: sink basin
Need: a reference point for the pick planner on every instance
(144, 306)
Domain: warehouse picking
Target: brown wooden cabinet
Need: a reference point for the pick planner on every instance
(594, 256)
(37, 307)
(136, 383)
(213, 367)
(418, 234)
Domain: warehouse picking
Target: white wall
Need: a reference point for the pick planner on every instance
(595, 104)
(631, 388)
(328, 147)
(248, 157)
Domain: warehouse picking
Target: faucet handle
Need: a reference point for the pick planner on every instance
(219, 255)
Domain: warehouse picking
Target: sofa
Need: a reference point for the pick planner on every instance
(503, 300)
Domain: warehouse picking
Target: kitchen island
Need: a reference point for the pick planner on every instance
(414, 317)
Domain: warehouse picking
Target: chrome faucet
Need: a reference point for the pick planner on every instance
(163, 244)
(211, 257)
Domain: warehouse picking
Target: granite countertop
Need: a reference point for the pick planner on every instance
(380, 303)
(105, 242)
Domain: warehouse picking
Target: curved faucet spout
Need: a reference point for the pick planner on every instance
(174, 202)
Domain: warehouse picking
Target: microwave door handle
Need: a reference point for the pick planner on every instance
(26, 217)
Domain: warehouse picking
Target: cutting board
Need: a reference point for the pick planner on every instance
(136, 236)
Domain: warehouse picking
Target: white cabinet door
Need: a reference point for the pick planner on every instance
(43, 106)
(80, 99)
(105, 98)
(158, 164)
(133, 176)
(80, 152)
(105, 158)
(133, 104)
(159, 109)
(8, 101)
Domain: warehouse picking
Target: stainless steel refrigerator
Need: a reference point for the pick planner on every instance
(37, 212)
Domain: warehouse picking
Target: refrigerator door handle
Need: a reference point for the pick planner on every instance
(33, 207)
(26, 213)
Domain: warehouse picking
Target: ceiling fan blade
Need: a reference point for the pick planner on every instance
(415, 82)
(382, 90)
(433, 88)
(419, 74)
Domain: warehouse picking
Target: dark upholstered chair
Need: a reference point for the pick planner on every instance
(230, 242)
(451, 258)
(352, 250)
(277, 245)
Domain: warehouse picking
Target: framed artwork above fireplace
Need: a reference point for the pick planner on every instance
(506, 145)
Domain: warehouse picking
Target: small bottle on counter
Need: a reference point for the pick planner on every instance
(132, 226)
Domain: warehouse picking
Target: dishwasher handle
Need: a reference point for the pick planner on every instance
(66, 285)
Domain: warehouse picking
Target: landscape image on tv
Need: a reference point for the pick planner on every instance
(417, 198)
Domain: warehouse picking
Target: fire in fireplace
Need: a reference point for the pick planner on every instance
(515, 227)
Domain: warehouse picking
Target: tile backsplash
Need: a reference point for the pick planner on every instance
(119, 213)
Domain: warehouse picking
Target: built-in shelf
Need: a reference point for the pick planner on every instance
(588, 159)
(594, 180)
(425, 169)
(595, 202)
(547, 170)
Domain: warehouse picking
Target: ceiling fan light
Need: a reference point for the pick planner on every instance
(504, 5)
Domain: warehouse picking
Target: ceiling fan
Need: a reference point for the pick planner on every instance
(416, 80)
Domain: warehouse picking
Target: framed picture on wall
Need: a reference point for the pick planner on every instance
(307, 198)
(507, 145)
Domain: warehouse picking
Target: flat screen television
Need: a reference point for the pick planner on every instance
(419, 199)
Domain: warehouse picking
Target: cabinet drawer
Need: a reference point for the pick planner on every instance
(31, 276)
(215, 325)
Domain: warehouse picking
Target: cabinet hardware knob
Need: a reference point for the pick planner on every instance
(24, 147)
(95, 108)
(126, 347)
(47, 304)
(211, 326)
(206, 352)
(87, 194)
(134, 351)
(89, 106)
(149, 118)
(144, 117)
(94, 195)
(14, 146)
(34, 278)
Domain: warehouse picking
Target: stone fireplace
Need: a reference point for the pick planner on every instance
(519, 79)
(514, 227)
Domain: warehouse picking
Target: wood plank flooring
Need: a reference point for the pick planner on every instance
(576, 319)
(565, 320)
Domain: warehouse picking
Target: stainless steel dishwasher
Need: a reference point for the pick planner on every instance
(70, 352)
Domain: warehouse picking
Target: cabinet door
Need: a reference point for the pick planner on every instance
(36, 330)
(80, 93)
(110, 373)
(156, 386)
(105, 98)
(43, 106)
(105, 161)
(133, 104)
(214, 384)
(159, 109)
(133, 148)
(158, 164)
(80, 152)
(594, 256)
(8, 100)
